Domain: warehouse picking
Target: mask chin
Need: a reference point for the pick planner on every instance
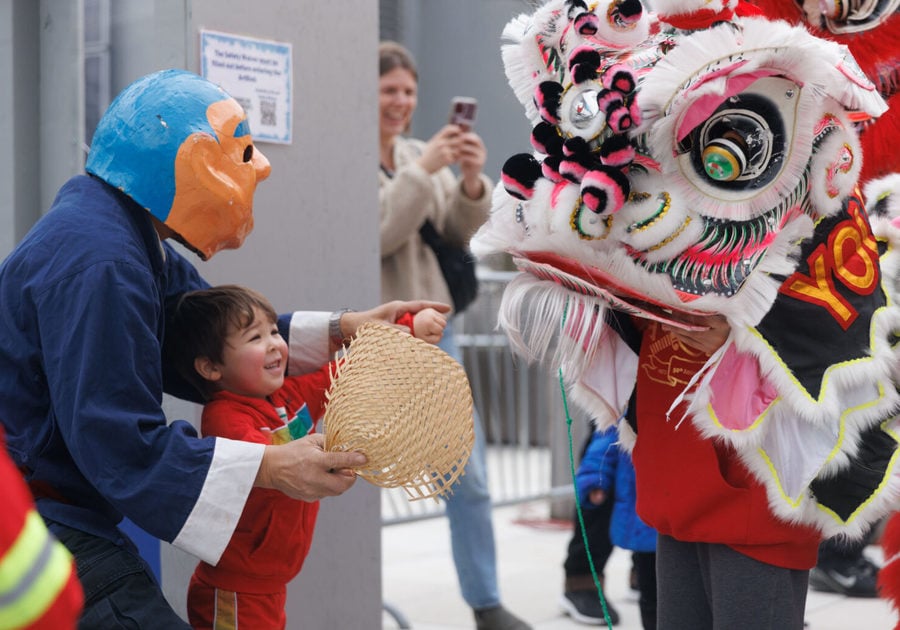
(208, 232)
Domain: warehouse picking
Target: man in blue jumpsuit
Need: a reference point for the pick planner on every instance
(82, 317)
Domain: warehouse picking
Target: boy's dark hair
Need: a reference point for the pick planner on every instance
(199, 322)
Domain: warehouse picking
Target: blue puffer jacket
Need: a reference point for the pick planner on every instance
(609, 468)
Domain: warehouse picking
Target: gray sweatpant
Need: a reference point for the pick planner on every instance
(703, 586)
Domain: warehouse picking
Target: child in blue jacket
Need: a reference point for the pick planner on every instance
(606, 471)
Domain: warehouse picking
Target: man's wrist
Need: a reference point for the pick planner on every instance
(335, 333)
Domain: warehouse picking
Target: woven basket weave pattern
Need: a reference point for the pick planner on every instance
(407, 405)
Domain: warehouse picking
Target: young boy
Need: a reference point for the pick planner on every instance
(606, 473)
(225, 341)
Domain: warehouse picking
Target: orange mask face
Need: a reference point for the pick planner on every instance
(215, 179)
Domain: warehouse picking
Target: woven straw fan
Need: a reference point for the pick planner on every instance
(404, 403)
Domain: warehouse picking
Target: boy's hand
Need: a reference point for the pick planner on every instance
(429, 325)
(386, 313)
(596, 496)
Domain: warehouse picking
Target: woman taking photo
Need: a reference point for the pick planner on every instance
(416, 184)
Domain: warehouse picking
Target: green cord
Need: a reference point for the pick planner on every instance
(587, 549)
(584, 537)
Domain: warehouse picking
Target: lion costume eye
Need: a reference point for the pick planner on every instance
(740, 149)
(737, 144)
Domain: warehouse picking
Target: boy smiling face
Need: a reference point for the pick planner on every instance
(254, 358)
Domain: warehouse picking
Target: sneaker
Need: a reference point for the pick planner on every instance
(585, 607)
(498, 618)
(859, 579)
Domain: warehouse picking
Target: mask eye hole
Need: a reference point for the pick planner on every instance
(248, 153)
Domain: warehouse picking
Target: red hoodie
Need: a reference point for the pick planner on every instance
(691, 488)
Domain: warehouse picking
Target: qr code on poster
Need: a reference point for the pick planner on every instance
(267, 112)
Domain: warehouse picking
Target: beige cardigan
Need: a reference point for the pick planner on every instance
(409, 268)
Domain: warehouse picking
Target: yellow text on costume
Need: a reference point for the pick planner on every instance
(850, 256)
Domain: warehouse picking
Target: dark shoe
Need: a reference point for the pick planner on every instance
(585, 607)
(859, 579)
(498, 618)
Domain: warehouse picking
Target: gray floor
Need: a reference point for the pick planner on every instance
(420, 582)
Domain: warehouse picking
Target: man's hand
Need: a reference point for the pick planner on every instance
(301, 469)
(386, 314)
(707, 341)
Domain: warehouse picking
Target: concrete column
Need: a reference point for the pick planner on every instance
(315, 246)
(61, 95)
(20, 170)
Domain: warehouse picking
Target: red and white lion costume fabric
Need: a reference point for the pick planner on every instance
(871, 31)
(695, 159)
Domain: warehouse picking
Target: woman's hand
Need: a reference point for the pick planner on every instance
(442, 150)
(452, 145)
(472, 156)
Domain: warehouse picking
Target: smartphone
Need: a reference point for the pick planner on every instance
(462, 111)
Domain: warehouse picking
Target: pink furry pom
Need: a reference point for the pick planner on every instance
(609, 100)
(587, 24)
(519, 174)
(550, 169)
(617, 151)
(583, 64)
(620, 78)
(619, 120)
(546, 139)
(546, 99)
(604, 190)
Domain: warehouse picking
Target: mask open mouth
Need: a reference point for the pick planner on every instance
(596, 283)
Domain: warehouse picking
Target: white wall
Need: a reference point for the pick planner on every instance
(314, 245)
(457, 50)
